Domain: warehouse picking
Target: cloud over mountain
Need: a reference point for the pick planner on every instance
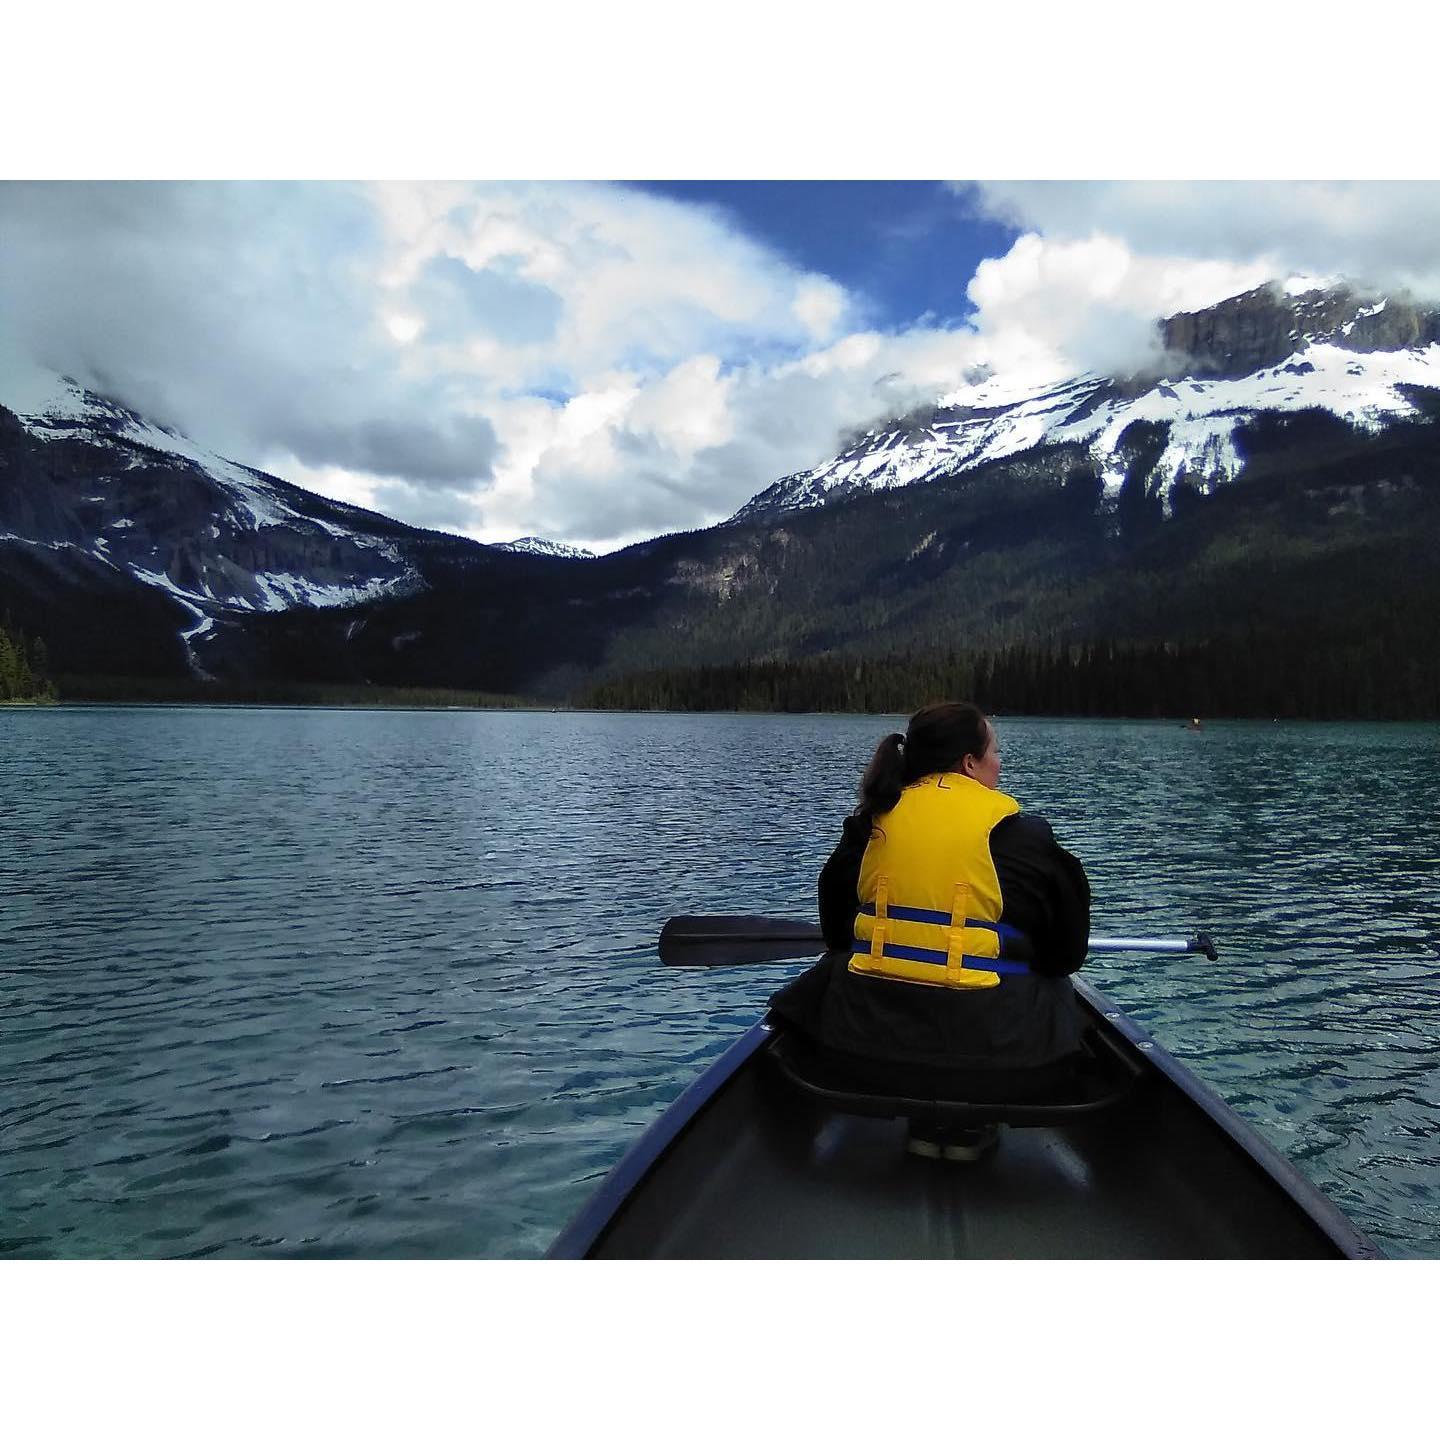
(591, 361)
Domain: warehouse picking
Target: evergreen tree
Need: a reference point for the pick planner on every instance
(23, 667)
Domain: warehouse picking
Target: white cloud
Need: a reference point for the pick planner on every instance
(819, 305)
(687, 410)
(578, 278)
(243, 314)
(1056, 306)
(1373, 231)
(328, 480)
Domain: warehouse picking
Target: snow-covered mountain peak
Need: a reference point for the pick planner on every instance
(57, 407)
(538, 545)
(1333, 349)
(95, 481)
(36, 393)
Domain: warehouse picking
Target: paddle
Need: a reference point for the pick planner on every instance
(753, 939)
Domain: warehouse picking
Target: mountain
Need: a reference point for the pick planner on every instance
(101, 508)
(1261, 513)
(1258, 354)
(535, 545)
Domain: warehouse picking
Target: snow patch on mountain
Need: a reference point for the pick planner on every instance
(283, 592)
(1305, 284)
(10, 536)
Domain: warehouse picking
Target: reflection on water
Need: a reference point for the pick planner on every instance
(379, 984)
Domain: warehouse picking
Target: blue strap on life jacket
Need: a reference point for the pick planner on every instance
(942, 957)
(1000, 965)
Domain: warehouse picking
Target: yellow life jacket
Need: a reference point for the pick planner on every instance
(930, 899)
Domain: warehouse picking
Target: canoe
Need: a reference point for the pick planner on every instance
(761, 1159)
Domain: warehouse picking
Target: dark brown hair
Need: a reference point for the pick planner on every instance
(938, 738)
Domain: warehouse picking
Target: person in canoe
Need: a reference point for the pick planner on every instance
(953, 920)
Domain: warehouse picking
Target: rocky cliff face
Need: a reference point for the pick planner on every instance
(1264, 327)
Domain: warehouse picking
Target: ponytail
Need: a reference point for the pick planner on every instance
(937, 739)
(884, 777)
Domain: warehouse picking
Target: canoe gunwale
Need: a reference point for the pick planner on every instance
(1342, 1232)
(575, 1241)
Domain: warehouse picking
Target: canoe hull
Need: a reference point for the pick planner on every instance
(743, 1166)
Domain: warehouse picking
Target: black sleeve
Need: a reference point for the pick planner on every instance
(1046, 892)
(839, 884)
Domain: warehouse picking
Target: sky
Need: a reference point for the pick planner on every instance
(598, 362)
(905, 248)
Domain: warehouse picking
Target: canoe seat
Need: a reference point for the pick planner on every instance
(1107, 1077)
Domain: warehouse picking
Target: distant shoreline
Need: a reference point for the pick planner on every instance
(128, 690)
(402, 705)
(89, 690)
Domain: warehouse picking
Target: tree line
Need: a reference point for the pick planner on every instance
(1256, 674)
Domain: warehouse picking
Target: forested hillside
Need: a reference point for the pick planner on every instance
(1308, 587)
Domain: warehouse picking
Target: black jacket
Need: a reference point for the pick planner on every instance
(1024, 1021)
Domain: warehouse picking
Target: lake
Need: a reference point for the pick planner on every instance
(376, 983)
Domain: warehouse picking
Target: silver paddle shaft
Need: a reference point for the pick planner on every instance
(1153, 947)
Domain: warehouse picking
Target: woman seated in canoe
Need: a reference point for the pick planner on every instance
(953, 920)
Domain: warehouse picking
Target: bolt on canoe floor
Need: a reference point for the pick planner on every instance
(763, 1172)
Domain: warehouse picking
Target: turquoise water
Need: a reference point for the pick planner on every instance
(340, 983)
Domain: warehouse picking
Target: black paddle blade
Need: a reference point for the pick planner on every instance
(737, 940)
